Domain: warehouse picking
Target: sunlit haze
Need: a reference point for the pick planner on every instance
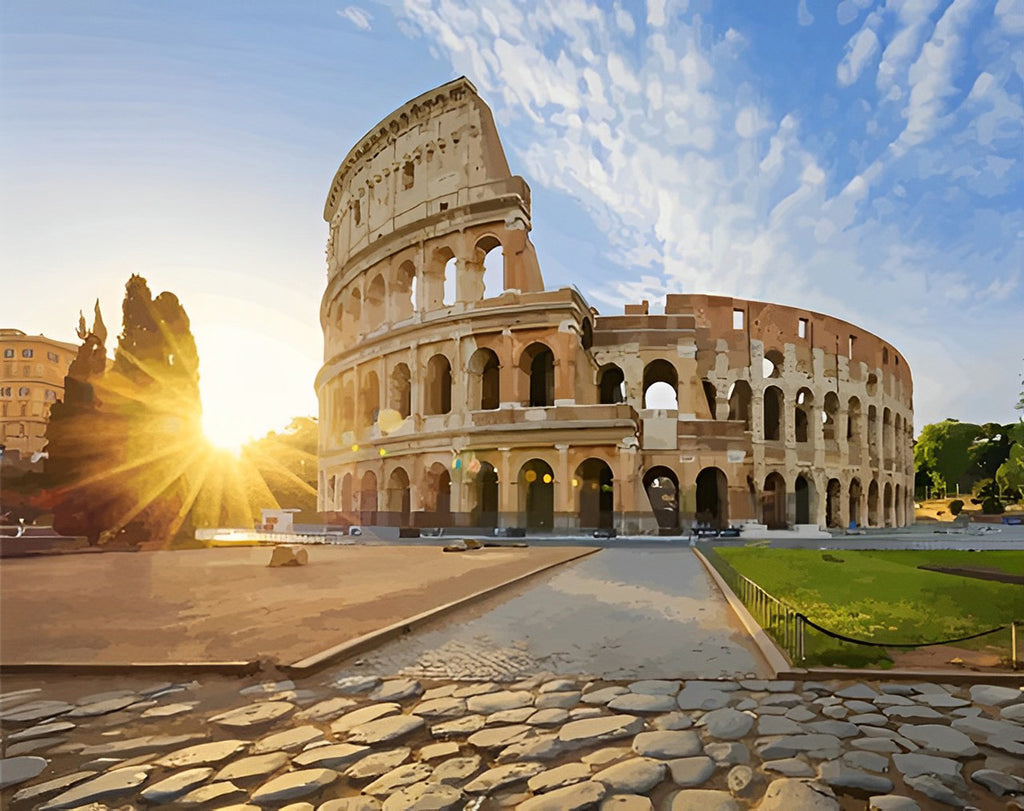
(861, 159)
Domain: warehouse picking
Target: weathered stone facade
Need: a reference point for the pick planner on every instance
(456, 390)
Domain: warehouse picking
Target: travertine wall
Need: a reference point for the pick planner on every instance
(456, 390)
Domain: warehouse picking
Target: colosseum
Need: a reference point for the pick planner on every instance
(457, 391)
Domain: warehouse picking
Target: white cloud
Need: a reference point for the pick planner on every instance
(861, 50)
(359, 17)
(803, 14)
(1009, 15)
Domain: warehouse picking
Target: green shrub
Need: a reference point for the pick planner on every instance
(992, 505)
(956, 506)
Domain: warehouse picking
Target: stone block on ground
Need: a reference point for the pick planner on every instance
(288, 555)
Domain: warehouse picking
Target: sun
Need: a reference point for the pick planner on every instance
(225, 431)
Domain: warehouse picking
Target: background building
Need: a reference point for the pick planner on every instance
(456, 390)
(32, 370)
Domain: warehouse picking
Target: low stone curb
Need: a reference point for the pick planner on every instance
(374, 638)
(230, 668)
(775, 659)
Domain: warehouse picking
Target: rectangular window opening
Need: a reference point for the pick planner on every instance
(801, 328)
(849, 351)
(737, 319)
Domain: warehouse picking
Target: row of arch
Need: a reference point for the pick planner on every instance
(592, 483)
(435, 388)
(775, 504)
(401, 290)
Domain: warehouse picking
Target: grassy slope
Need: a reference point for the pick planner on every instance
(882, 596)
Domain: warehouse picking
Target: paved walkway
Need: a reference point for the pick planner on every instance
(620, 614)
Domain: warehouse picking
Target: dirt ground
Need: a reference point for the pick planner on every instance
(216, 605)
(938, 509)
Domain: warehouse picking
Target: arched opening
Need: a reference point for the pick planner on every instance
(397, 498)
(376, 296)
(537, 495)
(369, 400)
(485, 514)
(771, 365)
(594, 482)
(833, 501)
(803, 491)
(348, 407)
(856, 494)
(872, 385)
(491, 258)
(346, 493)
(368, 498)
(330, 497)
(449, 286)
(802, 415)
(887, 437)
(740, 398)
(829, 416)
(403, 300)
(773, 413)
(712, 498)
(661, 386)
(662, 489)
(853, 423)
(888, 516)
(711, 396)
(484, 380)
(538, 364)
(438, 494)
(612, 385)
(435, 277)
(873, 504)
(355, 311)
(773, 502)
(439, 385)
(901, 514)
(897, 443)
(400, 390)
(873, 435)
(586, 334)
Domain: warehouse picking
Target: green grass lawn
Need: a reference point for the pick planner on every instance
(884, 597)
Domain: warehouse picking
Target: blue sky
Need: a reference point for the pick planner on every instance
(861, 158)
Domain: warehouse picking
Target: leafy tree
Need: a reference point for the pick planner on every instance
(287, 464)
(1010, 475)
(989, 450)
(943, 450)
(124, 441)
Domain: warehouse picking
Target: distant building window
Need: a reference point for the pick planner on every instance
(53, 356)
(26, 353)
(8, 353)
(737, 319)
(51, 396)
(849, 349)
(885, 355)
(23, 391)
(801, 328)
(5, 391)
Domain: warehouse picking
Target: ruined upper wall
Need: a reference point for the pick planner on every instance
(437, 153)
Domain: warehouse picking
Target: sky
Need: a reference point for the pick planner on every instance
(860, 158)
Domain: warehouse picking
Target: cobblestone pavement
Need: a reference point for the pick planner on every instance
(337, 741)
(621, 614)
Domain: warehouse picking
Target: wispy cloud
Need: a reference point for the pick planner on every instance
(702, 184)
(359, 17)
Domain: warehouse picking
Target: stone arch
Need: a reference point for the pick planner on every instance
(740, 402)
(594, 483)
(485, 513)
(433, 294)
(397, 498)
(871, 387)
(438, 394)
(773, 501)
(438, 493)
(348, 407)
(375, 305)
(712, 498)
(833, 504)
(887, 438)
(901, 508)
(368, 498)
(830, 416)
(484, 380)
(611, 384)
(403, 292)
(802, 411)
(492, 271)
(805, 499)
(400, 390)
(369, 400)
(854, 422)
(773, 408)
(888, 511)
(537, 365)
(711, 396)
(661, 385)
(873, 435)
(856, 495)
(537, 494)
(662, 488)
(873, 517)
(346, 493)
(354, 310)
(772, 363)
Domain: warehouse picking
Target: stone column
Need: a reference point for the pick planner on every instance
(564, 508)
(508, 501)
